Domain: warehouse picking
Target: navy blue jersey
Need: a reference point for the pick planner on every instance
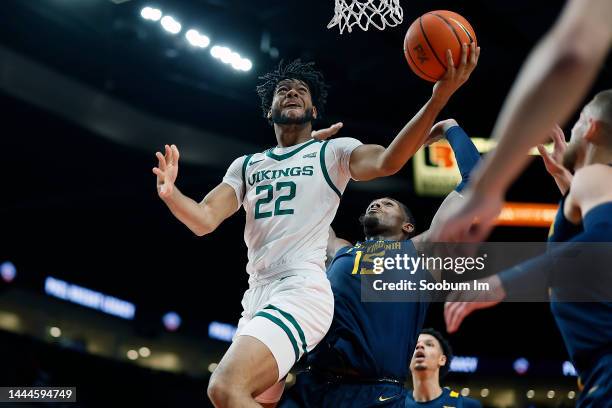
(371, 339)
(586, 327)
(448, 399)
(562, 230)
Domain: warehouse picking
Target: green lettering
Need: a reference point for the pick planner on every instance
(307, 170)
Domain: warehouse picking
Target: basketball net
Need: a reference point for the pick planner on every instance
(379, 13)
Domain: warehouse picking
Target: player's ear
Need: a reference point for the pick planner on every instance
(592, 130)
(314, 112)
(269, 115)
(442, 360)
(408, 228)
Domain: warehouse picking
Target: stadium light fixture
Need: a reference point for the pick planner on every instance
(151, 14)
(196, 39)
(227, 56)
(171, 25)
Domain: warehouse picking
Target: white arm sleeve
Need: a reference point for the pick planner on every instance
(338, 159)
(233, 177)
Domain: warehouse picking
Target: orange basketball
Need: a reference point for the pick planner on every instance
(430, 36)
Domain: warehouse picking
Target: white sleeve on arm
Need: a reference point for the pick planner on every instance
(338, 159)
(233, 177)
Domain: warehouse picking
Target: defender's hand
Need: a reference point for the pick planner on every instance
(167, 170)
(323, 134)
(438, 131)
(554, 161)
(460, 304)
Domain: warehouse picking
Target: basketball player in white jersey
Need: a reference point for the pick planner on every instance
(290, 194)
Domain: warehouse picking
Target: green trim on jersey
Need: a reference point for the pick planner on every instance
(283, 326)
(279, 157)
(324, 168)
(293, 322)
(244, 168)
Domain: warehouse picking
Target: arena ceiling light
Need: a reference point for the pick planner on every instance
(171, 25)
(227, 56)
(196, 39)
(150, 13)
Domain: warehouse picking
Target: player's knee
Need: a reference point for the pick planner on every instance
(220, 390)
(219, 393)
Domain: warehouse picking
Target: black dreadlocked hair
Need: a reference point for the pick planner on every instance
(304, 72)
(446, 349)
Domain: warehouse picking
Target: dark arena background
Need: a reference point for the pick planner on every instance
(104, 290)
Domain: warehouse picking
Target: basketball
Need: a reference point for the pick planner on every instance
(428, 38)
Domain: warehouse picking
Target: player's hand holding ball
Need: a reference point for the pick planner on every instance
(166, 171)
(441, 46)
(457, 76)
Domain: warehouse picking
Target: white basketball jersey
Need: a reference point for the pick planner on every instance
(290, 196)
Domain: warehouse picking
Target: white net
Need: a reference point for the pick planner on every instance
(379, 13)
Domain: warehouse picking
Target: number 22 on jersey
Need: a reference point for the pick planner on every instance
(285, 191)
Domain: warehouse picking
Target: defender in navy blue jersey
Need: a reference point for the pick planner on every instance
(585, 215)
(363, 361)
(430, 363)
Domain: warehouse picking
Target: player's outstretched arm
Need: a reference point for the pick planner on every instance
(529, 279)
(467, 157)
(201, 218)
(372, 161)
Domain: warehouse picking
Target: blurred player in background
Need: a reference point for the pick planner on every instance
(584, 216)
(554, 79)
(430, 363)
